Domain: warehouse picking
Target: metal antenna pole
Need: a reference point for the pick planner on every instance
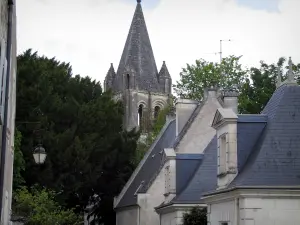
(221, 49)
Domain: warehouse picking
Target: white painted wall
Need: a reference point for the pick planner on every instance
(256, 211)
(221, 212)
(172, 218)
(270, 211)
(128, 216)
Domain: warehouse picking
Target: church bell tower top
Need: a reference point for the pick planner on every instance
(139, 1)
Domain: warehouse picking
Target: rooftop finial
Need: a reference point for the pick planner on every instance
(139, 1)
(290, 72)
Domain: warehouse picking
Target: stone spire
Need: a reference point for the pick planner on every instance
(109, 79)
(164, 72)
(138, 59)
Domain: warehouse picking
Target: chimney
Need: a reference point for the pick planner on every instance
(184, 109)
(230, 99)
(210, 93)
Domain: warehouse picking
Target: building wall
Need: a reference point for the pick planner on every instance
(270, 211)
(173, 218)
(133, 99)
(128, 216)
(200, 133)
(221, 212)
(256, 211)
(153, 198)
(9, 157)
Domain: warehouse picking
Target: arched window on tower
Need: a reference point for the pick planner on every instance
(140, 115)
(156, 112)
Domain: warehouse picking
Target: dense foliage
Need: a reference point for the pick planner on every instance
(196, 77)
(255, 85)
(196, 216)
(39, 207)
(256, 91)
(19, 163)
(81, 129)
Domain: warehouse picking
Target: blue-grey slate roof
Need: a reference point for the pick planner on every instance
(275, 159)
(204, 178)
(186, 164)
(151, 166)
(249, 129)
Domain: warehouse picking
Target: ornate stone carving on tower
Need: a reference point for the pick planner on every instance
(137, 81)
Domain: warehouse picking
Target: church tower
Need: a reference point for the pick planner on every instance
(137, 82)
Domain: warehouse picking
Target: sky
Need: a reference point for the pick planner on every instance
(91, 34)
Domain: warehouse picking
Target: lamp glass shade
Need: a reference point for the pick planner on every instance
(39, 155)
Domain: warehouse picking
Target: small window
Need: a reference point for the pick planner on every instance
(156, 112)
(140, 115)
(222, 157)
(127, 81)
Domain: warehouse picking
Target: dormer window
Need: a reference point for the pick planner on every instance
(225, 123)
(222, 154)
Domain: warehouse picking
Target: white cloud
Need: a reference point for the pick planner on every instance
(91, 34)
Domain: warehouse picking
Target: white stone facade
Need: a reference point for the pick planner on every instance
(255, 207)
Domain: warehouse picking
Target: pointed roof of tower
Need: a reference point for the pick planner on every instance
(138, 56)
(111, 72)
(164, 72)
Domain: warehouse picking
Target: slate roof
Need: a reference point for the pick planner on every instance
(275, 159)
(138, 56)
(186, 164)
(249, 129)
(268, 149)
(152, 164)
(204, 178)
(164, 72)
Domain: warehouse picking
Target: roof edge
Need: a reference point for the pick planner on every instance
(226, 190)
(142, 162)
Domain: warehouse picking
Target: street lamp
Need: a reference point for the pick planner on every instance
(39, 154)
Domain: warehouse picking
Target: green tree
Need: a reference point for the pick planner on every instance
(38, 207)
(196, 216)
(256, 91)
(194, 78)
(87, 150)
(19, 163)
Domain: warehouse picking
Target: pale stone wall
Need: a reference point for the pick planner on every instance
(256, 211)
(221, 212)
(128, 216)
(7, 192)
(153, 198)
(200, 133)
(173, 218)
(270, 211)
